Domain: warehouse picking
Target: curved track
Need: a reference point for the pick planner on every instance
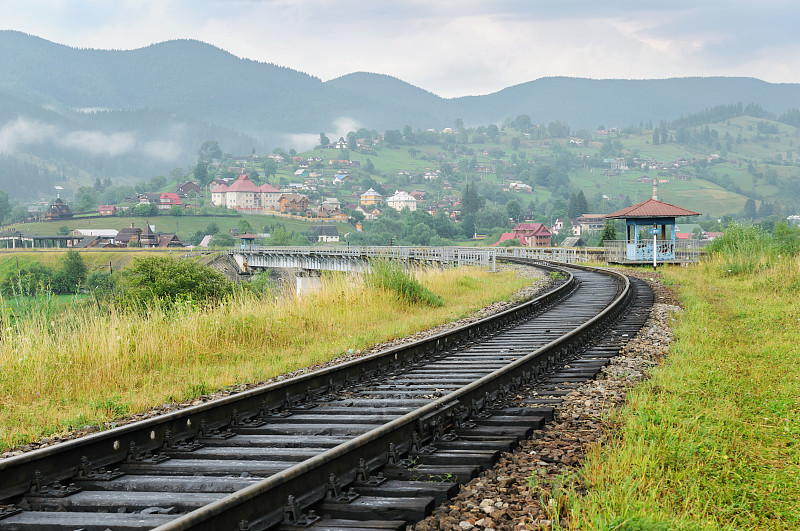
(370, 444)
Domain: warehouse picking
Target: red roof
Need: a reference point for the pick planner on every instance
(172, 197)
(652, 208)
(505, 237)
(268, 188)
(220, 189)
(243, 184)
(531, 229)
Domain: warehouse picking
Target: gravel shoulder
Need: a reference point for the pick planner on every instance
(505, 497)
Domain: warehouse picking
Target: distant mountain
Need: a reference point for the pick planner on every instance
(587, 103)
(167, 96)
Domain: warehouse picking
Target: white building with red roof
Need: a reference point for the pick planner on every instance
(245, 195)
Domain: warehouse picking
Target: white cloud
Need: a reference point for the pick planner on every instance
(165, 150)
(21, 132)
(98, 143)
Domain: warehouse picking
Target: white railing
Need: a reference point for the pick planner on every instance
(449, 255)
(623, 251)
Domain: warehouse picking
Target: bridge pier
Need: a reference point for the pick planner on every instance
(307, 281)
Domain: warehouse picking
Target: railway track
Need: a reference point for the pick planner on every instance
(370, 444)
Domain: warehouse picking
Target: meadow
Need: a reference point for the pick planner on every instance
(711, 440)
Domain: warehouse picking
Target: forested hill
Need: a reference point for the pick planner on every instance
(197, 79)
(137, 113)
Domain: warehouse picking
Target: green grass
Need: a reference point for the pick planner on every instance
(711, 441)
(65, 369)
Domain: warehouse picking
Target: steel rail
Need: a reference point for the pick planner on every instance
(261, 505)
(80, 456)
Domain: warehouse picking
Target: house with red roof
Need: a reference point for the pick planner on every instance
(529, 235)
(244, 195)
(168, 200)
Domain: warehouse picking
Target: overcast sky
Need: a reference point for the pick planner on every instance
(449, 47)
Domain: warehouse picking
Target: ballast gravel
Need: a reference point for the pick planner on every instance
(527, 488)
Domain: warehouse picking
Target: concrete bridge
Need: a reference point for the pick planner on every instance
(352, 258)
(339, 258)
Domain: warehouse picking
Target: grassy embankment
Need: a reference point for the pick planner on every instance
(88, 366)
(711, 441)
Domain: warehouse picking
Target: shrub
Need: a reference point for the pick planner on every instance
(28, 280)
(172, 280)
(390, 275)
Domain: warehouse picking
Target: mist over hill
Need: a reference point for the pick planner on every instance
(132, 114)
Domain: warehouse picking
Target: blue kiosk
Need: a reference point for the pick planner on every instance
(650, 235)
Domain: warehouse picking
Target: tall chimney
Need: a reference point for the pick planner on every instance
(655, 188)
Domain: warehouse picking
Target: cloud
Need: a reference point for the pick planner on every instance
(163, 150)
(302, 141)
(97, 143)
(22, 132)
(344, 125)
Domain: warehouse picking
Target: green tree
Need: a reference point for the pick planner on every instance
(201, 174)
(177, 175)
(5, 206)
(393, 137)
(750, 209)
(270, 168)
(72, 273)
(223, 239)
(212, 228)
(323, 140)
(145, 210)
(63, 230)
(514, 210)
(609, 232)
(209, 151)
(245, 227)
(86, 199)
(471, 202)
(157, 183)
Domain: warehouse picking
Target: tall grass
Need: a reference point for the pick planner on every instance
(711, 441)
(394, 276)
(744, 249)
(90, 364)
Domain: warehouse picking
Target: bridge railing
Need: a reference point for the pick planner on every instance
(459, 256)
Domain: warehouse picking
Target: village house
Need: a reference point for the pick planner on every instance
(419, 195)
(127, 236)
(107, 210)
(589, 223)
(325, 233)
(401, 200)
(244, 195)
(187, 188)
(169, 199)
(370, 197)
(529, 235)
(293, 203)
(520, 187)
